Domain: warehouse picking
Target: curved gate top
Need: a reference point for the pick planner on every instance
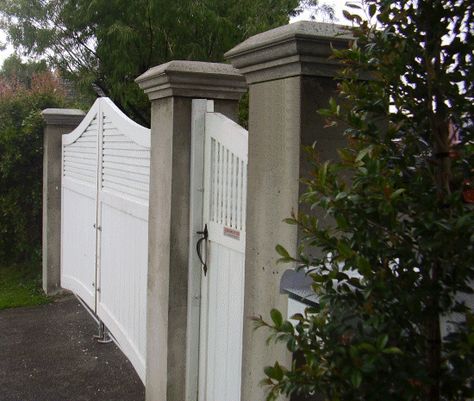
(104, 227)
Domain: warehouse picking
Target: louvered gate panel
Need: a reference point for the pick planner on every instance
(123, 240)
(79, 203)
(80, 156)
(106, 169)
(126, 165)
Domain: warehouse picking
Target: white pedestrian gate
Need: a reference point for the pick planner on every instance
(104, 228)
(223, 174)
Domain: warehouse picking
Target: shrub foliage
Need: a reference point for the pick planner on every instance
(21, 161)
(394, 268)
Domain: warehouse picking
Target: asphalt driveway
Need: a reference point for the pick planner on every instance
(47, 353)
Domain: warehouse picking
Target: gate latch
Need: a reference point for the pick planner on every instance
(204, 234)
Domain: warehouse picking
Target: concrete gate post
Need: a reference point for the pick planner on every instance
(171, 88)
(290, 78)
(58, 122)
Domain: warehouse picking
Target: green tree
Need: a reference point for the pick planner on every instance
(14, 69)
(21, 156)
(394, 266)
(108, 43)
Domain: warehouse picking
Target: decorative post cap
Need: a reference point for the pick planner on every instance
(301, 48)
(63, 116)
(193, 79)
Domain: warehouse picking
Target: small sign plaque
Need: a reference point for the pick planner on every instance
(230, 232)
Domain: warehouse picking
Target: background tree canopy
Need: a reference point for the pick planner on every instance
(108, 43)
(105, 45)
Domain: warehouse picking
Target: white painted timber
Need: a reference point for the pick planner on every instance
(123, 215)
(106, 169)
(79, 204)
(78, 240)
(222, 289)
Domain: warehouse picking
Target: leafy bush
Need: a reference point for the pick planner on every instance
(21, 160)
(394, 264)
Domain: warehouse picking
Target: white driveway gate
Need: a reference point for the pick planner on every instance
(104, 228)
(222, 172)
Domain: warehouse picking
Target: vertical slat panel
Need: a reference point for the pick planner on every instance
(227, 188)
(244, 194)
(215, 188)
(212, 184)
(224, 183)
(241, 198)
(222, 289)
(237, 192)
(219, 183)
(232, 191)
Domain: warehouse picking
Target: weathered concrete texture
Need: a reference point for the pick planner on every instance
(301, 48)
(273, 173)
(194, 79)
(303, 30)
(283, 119)
(47, 353)
(171, 88)
(68, 117)
(58, 122)
(168, 255)
(290, 79)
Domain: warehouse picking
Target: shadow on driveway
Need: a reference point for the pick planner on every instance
(47, 353)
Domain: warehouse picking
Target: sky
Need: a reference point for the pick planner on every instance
(4, 53)
(337, 4)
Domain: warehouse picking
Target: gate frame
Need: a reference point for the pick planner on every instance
(201, 108)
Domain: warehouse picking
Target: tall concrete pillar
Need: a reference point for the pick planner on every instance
(290, 78)
(58, 122)
(171, 372)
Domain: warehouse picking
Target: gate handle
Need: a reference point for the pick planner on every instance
(204, 234)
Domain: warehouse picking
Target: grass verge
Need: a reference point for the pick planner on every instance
(20, 285)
